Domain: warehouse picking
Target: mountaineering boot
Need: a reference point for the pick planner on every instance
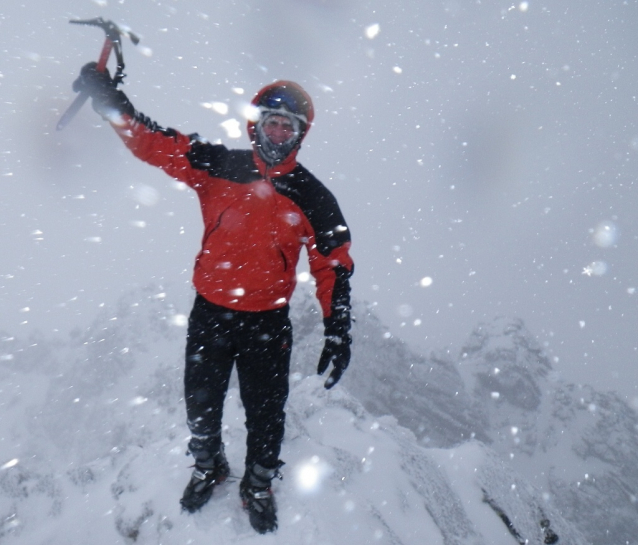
(206, 475)
(258, 498)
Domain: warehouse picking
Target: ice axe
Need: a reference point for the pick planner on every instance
(112, 41)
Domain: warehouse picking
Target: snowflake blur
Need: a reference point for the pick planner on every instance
(309, 475)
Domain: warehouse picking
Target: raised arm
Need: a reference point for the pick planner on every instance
(163, 148)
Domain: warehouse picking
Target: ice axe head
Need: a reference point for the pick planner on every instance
(113, 34)
(112, 30)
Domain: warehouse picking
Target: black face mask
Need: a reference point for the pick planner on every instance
(271, 153)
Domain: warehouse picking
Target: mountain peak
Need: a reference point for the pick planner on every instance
(502, 361)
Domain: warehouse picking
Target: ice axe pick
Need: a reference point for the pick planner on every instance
(112, 42)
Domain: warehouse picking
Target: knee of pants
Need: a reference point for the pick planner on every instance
(200, 396)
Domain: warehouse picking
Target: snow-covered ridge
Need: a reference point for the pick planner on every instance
(93, 435)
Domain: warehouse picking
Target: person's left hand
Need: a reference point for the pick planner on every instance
(336, 350)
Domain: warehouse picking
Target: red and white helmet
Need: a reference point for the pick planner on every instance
(282, 98)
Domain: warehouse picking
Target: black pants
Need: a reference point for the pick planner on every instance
(259, 344)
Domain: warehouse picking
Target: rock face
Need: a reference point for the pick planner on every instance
(425, 394)
(578, 445)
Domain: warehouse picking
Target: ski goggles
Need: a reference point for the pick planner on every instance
(275, 99)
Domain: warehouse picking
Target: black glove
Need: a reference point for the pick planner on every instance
(336, 350)
(107, 99)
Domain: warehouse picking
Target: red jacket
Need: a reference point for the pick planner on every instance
(256, 220)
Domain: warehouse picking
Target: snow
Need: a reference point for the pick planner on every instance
(503, 113)
(133, 491)
(93, 441)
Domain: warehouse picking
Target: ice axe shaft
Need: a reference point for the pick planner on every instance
(104, 56)
(112, 41)
(77, 103)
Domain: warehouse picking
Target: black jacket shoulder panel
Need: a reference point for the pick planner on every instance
(318, 204)
(203, 155)
(220, 162)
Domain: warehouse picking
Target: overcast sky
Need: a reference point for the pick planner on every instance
(484, 154)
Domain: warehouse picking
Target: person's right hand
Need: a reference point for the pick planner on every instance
(92, 82)
(107, 99)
